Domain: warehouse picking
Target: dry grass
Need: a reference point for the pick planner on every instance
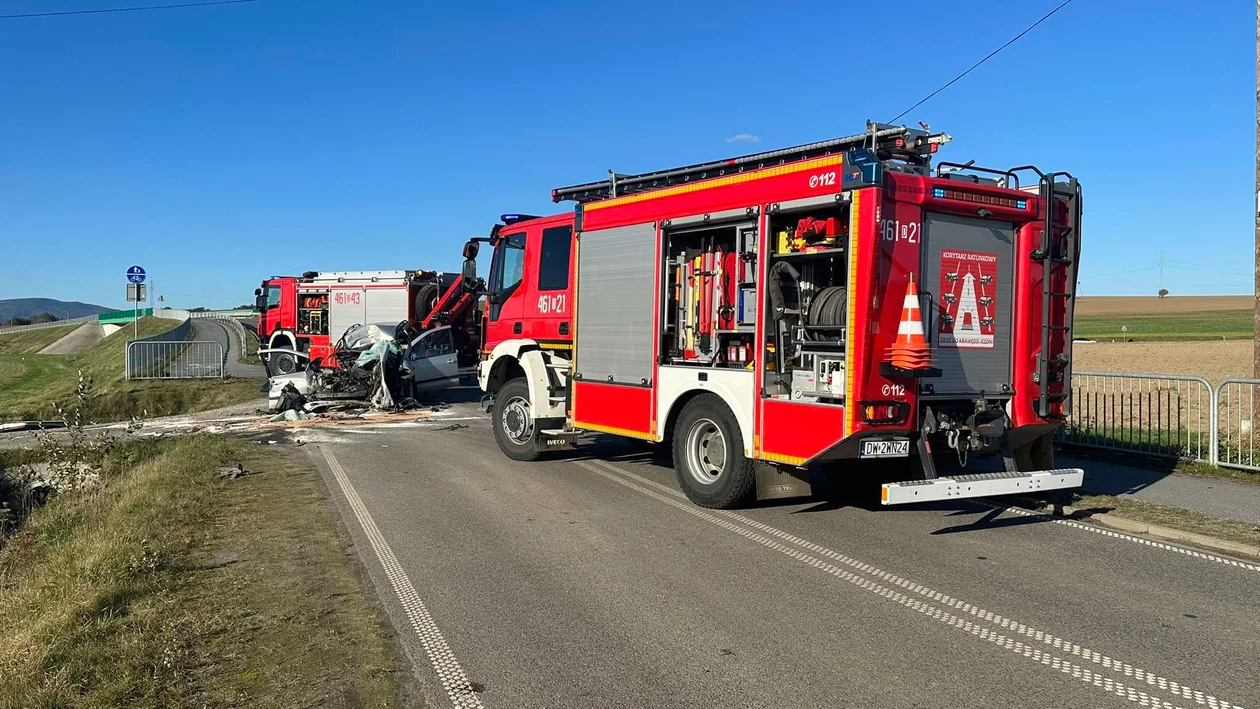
(171, 587)
(1173, 517)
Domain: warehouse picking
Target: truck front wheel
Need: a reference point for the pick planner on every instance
(514, 427)
(281, 362)
(709, 456)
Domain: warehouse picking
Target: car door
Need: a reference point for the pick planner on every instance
(432, 360)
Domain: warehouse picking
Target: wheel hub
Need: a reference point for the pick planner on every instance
(517, 423)
(706, 451)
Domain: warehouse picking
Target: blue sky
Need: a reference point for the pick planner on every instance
(216, 146)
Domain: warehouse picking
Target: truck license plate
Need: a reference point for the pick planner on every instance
(898, 448)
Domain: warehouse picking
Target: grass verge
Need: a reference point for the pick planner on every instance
(171, 587)
(1173, 517)
(249, 346)
(31, 384)
(1205, 325)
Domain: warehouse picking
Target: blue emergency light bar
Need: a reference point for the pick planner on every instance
(944, 193)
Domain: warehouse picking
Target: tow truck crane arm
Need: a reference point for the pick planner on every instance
(453, 304)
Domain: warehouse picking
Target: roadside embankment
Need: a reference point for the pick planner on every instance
(166, 583)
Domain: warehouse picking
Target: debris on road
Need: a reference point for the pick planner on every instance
(233, 473)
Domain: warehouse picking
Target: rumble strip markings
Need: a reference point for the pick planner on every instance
(441, 657)
(724, 519)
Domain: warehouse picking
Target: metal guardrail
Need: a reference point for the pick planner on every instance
(1152, 414)
(1166, 415)
(194, 359)
(43, 325)
(1236, 443)
(222, 313)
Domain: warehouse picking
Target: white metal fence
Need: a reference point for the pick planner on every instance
(1236, 444)
(167, 313)
(195, 359)
(1154, 414)
(42, 325)
(1165, 415)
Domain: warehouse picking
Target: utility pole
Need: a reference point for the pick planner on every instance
(1256, 294)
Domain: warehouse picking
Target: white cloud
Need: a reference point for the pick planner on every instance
(743, 138)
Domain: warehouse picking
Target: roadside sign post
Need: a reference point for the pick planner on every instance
(136, 293)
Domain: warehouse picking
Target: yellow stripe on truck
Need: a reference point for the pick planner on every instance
(719, 182)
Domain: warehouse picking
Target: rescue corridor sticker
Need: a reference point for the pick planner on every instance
(968, 308)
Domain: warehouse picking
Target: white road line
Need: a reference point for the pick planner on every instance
(441, 657)
(1120, 535)
(677, 499)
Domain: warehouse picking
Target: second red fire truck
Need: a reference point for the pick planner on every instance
(809, 306)
(302, 318)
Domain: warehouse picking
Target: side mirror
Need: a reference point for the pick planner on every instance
(470, 250)
(470, 271)
(257, 292)
(495, 298)
(260, 302)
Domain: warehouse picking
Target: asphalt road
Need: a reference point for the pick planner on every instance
(77, 340)
(211, 330)
(1221, 498)
(586, 580)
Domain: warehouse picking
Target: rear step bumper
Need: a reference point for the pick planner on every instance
(980, 485)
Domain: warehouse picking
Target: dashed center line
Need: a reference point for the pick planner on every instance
(1040, 639)
(450, 673)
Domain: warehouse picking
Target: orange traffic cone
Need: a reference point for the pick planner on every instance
(911, 351)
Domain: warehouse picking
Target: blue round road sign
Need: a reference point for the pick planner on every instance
(135, 274)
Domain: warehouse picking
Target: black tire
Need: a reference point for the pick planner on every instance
(724, 481)
(282, 363)
(516, 438)
(1037, 454)
(426, 299)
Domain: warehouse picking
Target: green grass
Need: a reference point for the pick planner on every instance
(249, 349)
(32, 341)
(1209, 325)
(30, 384)
(171, 587)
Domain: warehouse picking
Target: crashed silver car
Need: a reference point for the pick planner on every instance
(385, 366)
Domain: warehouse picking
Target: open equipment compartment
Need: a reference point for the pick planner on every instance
(807, 303)
(710, 312)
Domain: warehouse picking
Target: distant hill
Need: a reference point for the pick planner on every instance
(30, 307)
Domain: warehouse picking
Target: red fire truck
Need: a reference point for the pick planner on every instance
(303, 317)
(793, 309)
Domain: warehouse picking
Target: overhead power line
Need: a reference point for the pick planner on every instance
(992, 54)
(124, 9)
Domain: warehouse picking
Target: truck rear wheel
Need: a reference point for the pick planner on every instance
(514, 427)
(709, 456)
(1037, 454)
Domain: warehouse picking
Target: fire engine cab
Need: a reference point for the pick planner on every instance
(774, 312)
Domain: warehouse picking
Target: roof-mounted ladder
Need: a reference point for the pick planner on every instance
(888, 142)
